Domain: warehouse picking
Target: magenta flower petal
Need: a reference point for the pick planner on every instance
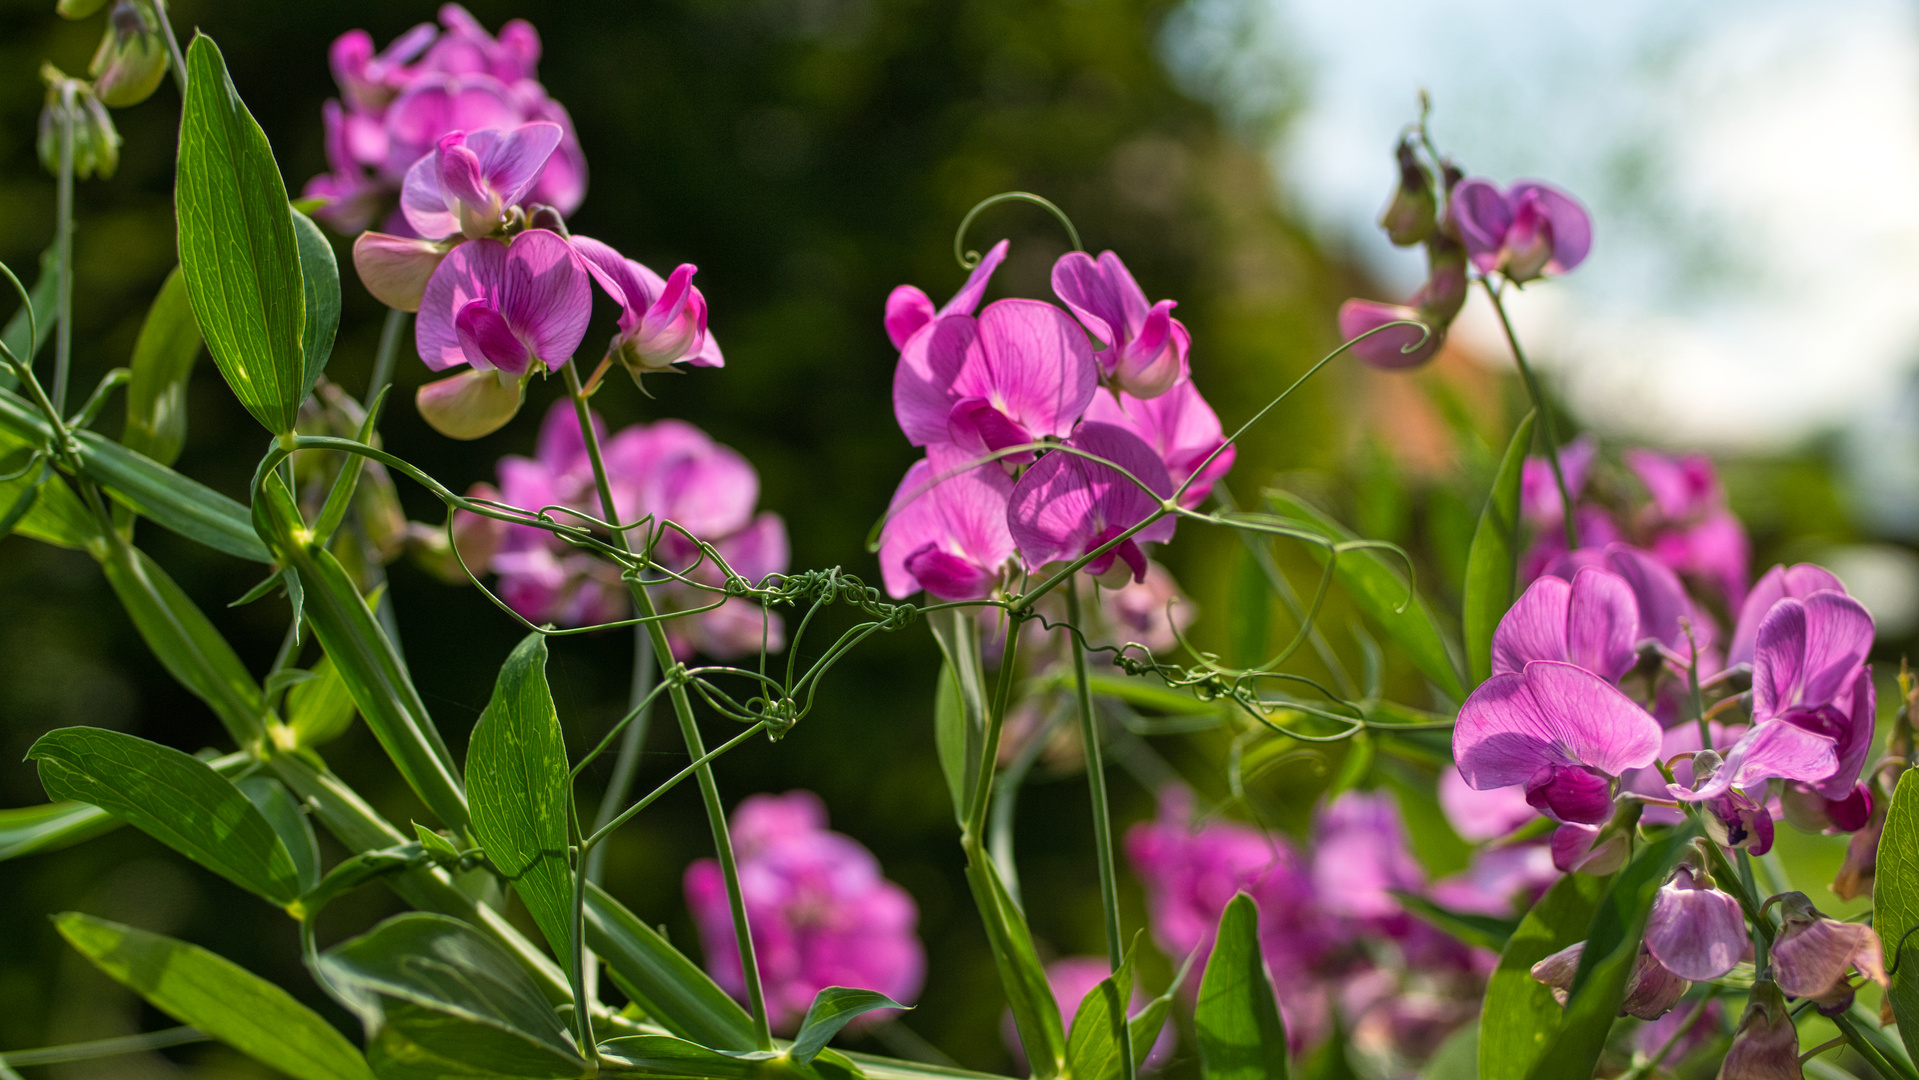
(1592, 622)
(1399, 347)
(1807, 651)
(1483, 216)
(1067, 505)
(908, 308)
(1799, 580)
(1775, 749)
(1657, 594)
(1361, 856)
(1539, 501)
(1146, 347)
(967, 299)
(423, 201)
(1695, 931)
(1588, 849)
(1025, 358)
(1570, 225)
(535, 285)
(510, 161)
(484, 332)
(1482, 815)
(1550, 715)
(948, 522)
(1180, 426)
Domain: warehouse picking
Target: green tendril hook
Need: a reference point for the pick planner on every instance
(970, 259)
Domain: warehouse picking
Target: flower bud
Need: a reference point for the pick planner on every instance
(1651, 991)
(1812, 953)
(1444, 293)
(132, 58)
(1588, 849)
(78, 9)
(1766, 1046)
(471, 404)
(1862, 857)
(1409, 217)
(96, 145)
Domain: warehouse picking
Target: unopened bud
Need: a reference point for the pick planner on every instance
(78, 9)
(1409, 217)
(1766, 1047)
(132, 58)
(70, 102)
(1444, 293)
(1812, 954)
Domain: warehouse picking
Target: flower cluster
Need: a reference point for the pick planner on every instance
(1522, 233)
(488, 169)
(1041, 448)
(1340, 946)
(821, 913)
(669, 471)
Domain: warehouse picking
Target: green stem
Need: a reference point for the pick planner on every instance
(391, 332)
(174, 60)
(63, 248)
(689, 728)
(1864, 1048)
(975, 833)
(99, 1048)
(1102, 815)
(1546, 427)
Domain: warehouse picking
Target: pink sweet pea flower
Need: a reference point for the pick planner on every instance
(1539, 501)
(1390, 350)
(1695, 533)
(352, 196)
(1145, 353)
(433, 106)
(662, 322)
(1592, 621)
(1021, 371)
(369, 80)
(1181, 427)
(471, 179)
(1696, 931)
(1482, 815)
(1658, 595)
(1799, 580)
(1525, 232)
(1558, 729)
(505, 306)
(946, 530)
(1068, 505)
(1071, 979)
(467, 49)
(822, 914)
(908, 308)
(1360, 857)
(1499, 880)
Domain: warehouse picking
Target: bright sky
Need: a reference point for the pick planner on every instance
(1752, 167)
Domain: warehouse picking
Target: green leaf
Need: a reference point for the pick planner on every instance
(832, 1009)
(667, 1056)
(1606, 966)
(516, 782)
(375, 676)
(1241, 1036)
(440, 999)
(439, 847)
(1030, 997)
(289, 823)
(1379, 590)
(959, 706)
(54, 515)
(320, 290)
(217, 996)
(1092, 1040)
(1494, 556)
(1456, 1059)
(44, 293)
(238, 247)
(1481, 931)
(162, 364)
(673, 990)
(186, 644)
(1520, 1016)
(174, 797)
(950, 734)
(30, 830)
(1895, 904)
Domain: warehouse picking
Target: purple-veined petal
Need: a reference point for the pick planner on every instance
(1799, 580)
(1035, 366)
(511, 161)
(1082, 284)
(545, 295)
(1180, 426)
(1695, 931)
(976, 427)
(1854, 743)
(1774, 749)
(1570, 795)
(907, 310)
(1572, 235)
(1483, 214)
(469, 272)
(461, 177)
(1390, 350)
(1602, 624)
(1067, 505)
(954, 508)
(1807, 651)
(487, 340)
(1550, 714)
(1534, 628)
(930, 362)
(966, 300)
(424, 203)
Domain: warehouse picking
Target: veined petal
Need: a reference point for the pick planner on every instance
(460, 175)
(1534, 628)
(944, 505)
(1132, 298)
(1602, 624)
(1772, 749)
(1550, 714)
(923, 381)
(1067, 505)
(511, 161)
(470, 404)
(966, 300)
(1083, 286)
(470, 272)
(1035, 365)
(545, 295)
(1807, 651)
(396, 269)
(1800, 580)
(1855, 741)
(424, 202)
(1483, 214)
(1694, 931)
(487, 341)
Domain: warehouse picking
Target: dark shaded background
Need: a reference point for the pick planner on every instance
(808, 155)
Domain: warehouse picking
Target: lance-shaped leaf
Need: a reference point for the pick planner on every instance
(1092, 1044)
(1028, 995)
(1520, 1016)
(238, 247)
(29, 830)
(833, 1008)
(1240, 1033)
(1494, 557)
(440, 999)
(1895, 904)
(217, 996)
(179, 634)
(320, 289)
(174, 797)
(289, 823)
(1488, 932)
(959, 707)
(677, 993)
(375, 676)
(320, 709)
(154, 491)
(1606, 966)
(1382, 592)
(516, 783)
(162, 364)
